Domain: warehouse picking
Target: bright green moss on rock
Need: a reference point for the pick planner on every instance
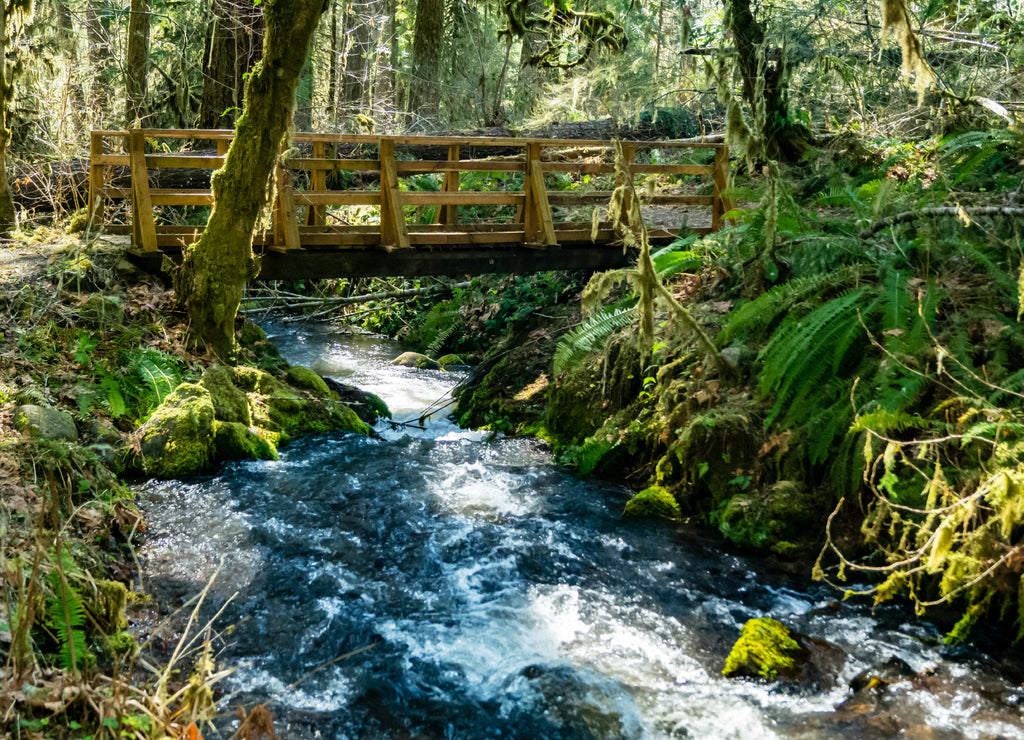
(177, 441)
(785, 512)
(303, 377)
(229, 402)
(654, 502)
(234, 441)
(108, 605)
(417, 360)
(766, 648)
(447, 360)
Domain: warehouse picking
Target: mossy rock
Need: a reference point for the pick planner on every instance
(767, 649)
(177, 441)
(448, 360)
(368, 406)
(254, 379)
(108, 604)
(234, 441)
(574, 408)
(655, 502)
(417, 360)
(303, 377)
(45, 423)
(229, 401)
(251, 334)
(122, 644)
(293, 411)
(778, 516)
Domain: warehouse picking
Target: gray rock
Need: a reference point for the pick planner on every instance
(415, 359)
(45, 423)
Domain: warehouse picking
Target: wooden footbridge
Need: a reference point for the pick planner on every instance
(360, 206)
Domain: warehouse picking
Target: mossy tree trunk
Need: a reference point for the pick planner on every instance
(137, 62)
(12, 14)
(217, 267)
(783, 139)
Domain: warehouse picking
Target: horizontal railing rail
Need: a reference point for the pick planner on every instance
(308, 177)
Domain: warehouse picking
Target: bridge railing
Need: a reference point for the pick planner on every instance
(309, 191)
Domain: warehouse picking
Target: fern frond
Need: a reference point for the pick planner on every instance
(887, 422)
(65, 617)
(770, 307)
(435, 347)
(804, 351)
(588, 336)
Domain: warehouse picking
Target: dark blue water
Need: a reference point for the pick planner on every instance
(504, 598)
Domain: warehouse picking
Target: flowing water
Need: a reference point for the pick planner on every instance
(504, 598)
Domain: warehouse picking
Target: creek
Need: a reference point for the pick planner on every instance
(505, 598)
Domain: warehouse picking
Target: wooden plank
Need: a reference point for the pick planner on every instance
(143, 223)
(393, 230)
(540, 224)
(113, 159)
(465, 198)
(448, 213)
(190, 161)
(96, 173)
(286, 222)
(316, 215)
(222, 147)
(203, 134)
(162, 197)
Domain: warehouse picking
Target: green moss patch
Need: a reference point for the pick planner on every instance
(229, 402)
(653, 503)
(177, 441)
(767, 649)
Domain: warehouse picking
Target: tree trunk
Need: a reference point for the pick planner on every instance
(531, 78)
(304, 94)
(783, 139)
(73, 87)
(99, 54)
(7, 219)
(217, 267)
(359, 19)
(136, 62)
(232, 49)
(425, 87)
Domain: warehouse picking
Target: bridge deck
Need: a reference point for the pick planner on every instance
(360, 206)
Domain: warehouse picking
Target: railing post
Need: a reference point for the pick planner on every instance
(96, 172)
(537, 220)
(317, 215)
(448, 214)
(286, 219)
(143, 221)
(393, 229)
(720, 204)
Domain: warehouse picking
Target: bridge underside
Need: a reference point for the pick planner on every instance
(331, 260)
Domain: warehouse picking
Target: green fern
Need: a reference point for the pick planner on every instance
(435, 347)
(588, 336)
(65, 617)
(805, 351)
(769, 308)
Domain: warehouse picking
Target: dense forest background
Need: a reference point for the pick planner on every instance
(439, 65)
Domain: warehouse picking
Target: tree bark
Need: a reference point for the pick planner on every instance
(783, 139)
(217, 267)
(424, 87)
(356, 56)
(97, 37)
(7, 216)
(233, 41)
(136, 64)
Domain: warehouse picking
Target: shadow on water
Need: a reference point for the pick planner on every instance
(505, 598)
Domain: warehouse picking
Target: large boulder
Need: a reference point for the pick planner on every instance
(45, 423)
(229, 402)
(178, 439)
